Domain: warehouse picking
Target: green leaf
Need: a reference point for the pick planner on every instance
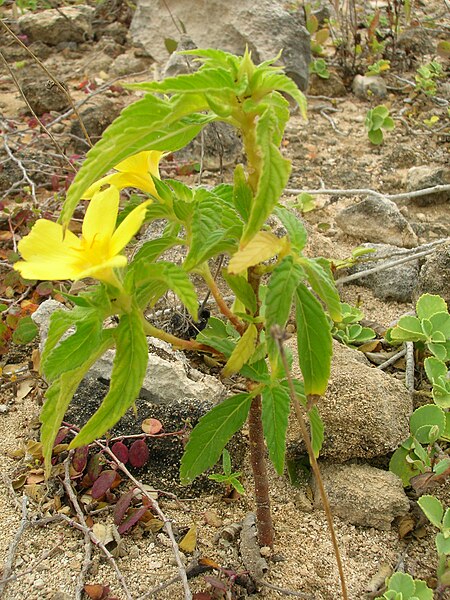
(60, 321)
(274, 170)
(261, 247)
(435, 369)
(298, 235)
(142, 280)
(153, 249)
(441, 323)
(321, 280)
(314, 342)
(130, 364)
(226, 462)
(403, 469)
(212, 433)
(25, 332)
(424, 419)
(317, 430)
(242, 289)
(202, 81)
(408, 329)
(443, 544)
(432, 508)
(423, 592)
(273, 80)
(257, 371)
(213, 222)
(237, 486)
(376, 136)
(242, 193)
(74, 350)
(430, 304)
(402, 583)
(151, 123)
(58, 397)
(275, 413)
(280, 289)
(242, 352)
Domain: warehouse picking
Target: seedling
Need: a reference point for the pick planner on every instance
(440, 518)
(402, 586)
(319, 67)
(378, 68)
(377, 119)
(349, 331)
(426, 78)
(228, 478)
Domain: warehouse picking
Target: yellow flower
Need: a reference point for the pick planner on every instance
(134, 171)
(51, 253)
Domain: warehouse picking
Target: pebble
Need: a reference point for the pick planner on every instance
(39, 584)
(4, 408)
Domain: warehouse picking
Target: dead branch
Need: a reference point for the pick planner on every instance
(162, 516)
(367, 192)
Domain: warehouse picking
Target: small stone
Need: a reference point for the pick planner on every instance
(265, 551)
(332, 87)
(155, 565)
(4, 408)
(365, 86)
(39, 584)
(377, 220)
(419, 178)
(134, 551)
(211, 518)
(52, 26)
(363, 495)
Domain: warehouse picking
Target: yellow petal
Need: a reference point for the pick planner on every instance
(47, 271)
(101, 215)
(103, 271)
(48, 239)
(129, 226)
(142, 162)
(121, 181)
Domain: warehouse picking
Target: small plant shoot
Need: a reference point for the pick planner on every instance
(205, 224)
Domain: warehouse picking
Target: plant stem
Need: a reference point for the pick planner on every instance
(222, 306)
(258, 462)
(278, 334)
(191, 345)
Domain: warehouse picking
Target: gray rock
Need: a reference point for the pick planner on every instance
(400, 157)
(363, 495)
(415, 42)
(44, 96)
(41, 317)
(167, 381)
(377, 220)
(96, 119)
(396, 283)
(125, 64)
(434, 276)
(419, 178)
(365, 86)
(365, 411)
(67, 24)
(4, 408)
(333, 86)
(264, 25)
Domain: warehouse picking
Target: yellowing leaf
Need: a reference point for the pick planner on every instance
(261, 247)
(189, 541)
(242, 352)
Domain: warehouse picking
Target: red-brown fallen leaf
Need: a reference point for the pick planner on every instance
(79, 458)
(96, 591)
(122, 506)
(132, 519)
(94, 468)
(103, 484)
(63, 431)
(202, 596)
(151, 426)
(138, 453)
(120, 451)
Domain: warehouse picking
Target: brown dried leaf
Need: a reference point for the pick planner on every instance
(133, 517)
(120, 451)
(103, 484)
(151, 426)
(188, 543)
(19, 481)
(96, 591)
(122, 506)
(103, 533)
(138, 453)
(212, 518)
(79, 458)
(373, 346)
(60, 448)
(154, 525)
(35, 477)
(34, 448)
(406, 524)
(24, 388)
